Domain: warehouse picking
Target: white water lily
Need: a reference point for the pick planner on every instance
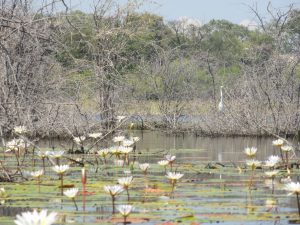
(95, 135)
(125, 181)
(36, 218)
(103, 152)
(55, 154)
(125, 210)
(163, 162)
(61, 169)
(127, 142)
(286, 148)
(174, 176)
(272, 173)
(144, 166)
(135, 139)
(250, 151)
(253, 163)
(278, 142)
(113, 190)
(115, 150)
(272, 161)
(48, 153)
(71, 193)
(170, 158)
(79, 140)
(270, 203)
(118, 139)
(16, 144)
(2, 192)
(42, 154)
(293, 188)
(125, 150)
(20, 129)
(37, 174)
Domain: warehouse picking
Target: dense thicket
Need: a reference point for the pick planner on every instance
(63, 70)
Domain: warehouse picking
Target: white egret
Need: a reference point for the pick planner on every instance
(221, 104)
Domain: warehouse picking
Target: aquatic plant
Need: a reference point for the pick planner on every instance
(103, 153)
(16, 146)
(20, 130)
(79, 140)
(278, 143)
(57, 155)
(144, 167)
(60, 170)
(72, 193)
(163, 163)
(271, 203)
(253, 164)
(43, 155)
(95, 135)
(83, 180)
(36, 218)
(115, 150)
(294, 188)
(170, 159)
(126, 182)
(174, 177)
(3, 193)
(113, 191)
(37, 175)
(118, 139)
(135, 139)
(127, 142)
(272, 174)
(272, 161)
(125, 210)
(286, 149)
(125, 151)
(251, 152)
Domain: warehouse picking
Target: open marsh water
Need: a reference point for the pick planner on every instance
(208, 193)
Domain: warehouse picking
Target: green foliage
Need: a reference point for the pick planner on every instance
(125, 45)
(224, 39)
(150, 32)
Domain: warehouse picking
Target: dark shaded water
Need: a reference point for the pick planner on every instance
(211, 149)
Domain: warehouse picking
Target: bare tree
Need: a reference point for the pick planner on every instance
(27, 69)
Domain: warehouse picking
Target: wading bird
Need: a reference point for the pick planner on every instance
(221, 104)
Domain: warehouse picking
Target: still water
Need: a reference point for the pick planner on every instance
(210, 149)
(216, 195)
(226, 149)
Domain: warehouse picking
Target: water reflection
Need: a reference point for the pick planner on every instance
(211, 149)
(12, 211)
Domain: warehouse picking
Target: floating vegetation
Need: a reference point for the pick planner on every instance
(148, 186)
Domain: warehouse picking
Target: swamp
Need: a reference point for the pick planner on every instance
(214, 189)
(129, 112)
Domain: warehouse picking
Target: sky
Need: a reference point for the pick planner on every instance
(204, 10)
(236, 11)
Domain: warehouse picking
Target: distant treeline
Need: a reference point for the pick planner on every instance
(70, 72)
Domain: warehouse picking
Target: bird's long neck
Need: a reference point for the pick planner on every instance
(221, 94)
